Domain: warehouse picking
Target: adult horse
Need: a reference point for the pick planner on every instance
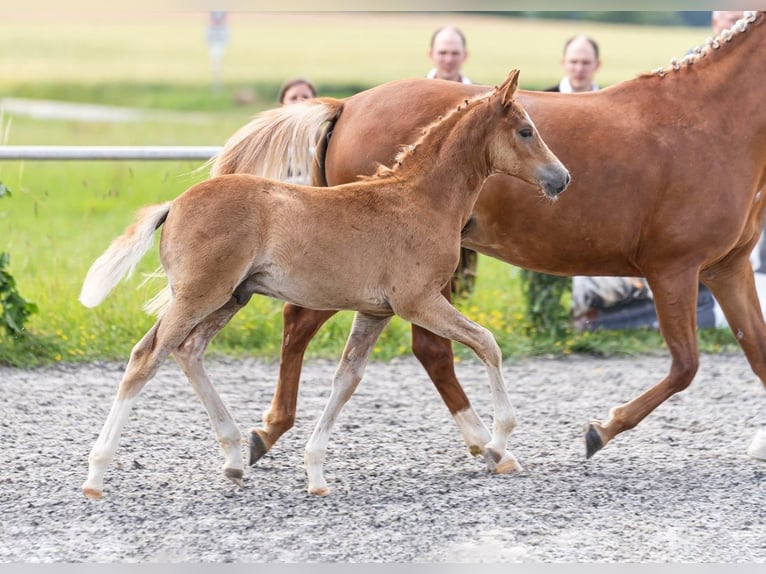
(380, 247)
(668, 179)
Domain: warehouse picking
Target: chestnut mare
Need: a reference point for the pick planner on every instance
(668, 179)
(381, 247)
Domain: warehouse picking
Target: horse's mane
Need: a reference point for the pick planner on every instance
(408, 150)
(713, 43)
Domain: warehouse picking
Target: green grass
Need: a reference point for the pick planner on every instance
(62, 215)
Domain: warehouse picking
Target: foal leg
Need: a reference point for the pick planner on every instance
(435, 354)
(733, 286)
(675, 298)
(299, 325)
(438, 316)
(190, 357)
(364, 332)
(145, 360)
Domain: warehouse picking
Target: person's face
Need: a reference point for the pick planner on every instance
(448, 55)
(580, 65)
(297, 93)
(725, 19)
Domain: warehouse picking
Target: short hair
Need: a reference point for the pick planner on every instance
(453, 29)
(590, 41)
(294, 82)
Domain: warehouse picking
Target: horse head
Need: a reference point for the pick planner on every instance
(517, 148)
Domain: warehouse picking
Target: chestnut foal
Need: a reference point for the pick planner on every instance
(381, 247)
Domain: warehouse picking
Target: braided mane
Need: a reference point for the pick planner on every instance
(712, 43)
(408, 150)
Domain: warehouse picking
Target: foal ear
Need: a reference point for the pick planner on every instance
(508, 88)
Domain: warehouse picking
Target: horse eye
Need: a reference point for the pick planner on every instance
(526, 133)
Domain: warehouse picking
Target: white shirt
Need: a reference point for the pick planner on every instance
(566, 88)
(432, 74)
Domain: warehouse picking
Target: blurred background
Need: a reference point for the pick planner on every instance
(193, 78)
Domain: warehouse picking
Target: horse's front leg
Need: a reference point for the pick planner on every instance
(435, 354)
(437, 315)
(364, 332)
(298, 328)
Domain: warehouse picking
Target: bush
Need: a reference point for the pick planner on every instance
(15, 309)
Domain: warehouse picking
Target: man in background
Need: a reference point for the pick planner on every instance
(448, 54)
(580, 63)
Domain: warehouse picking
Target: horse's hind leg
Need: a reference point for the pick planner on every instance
(733, 286)
(299, 327)
(438, 316)
(675, 298)
(364, 332)
(435, 354)
(145, 360)
(190, 357)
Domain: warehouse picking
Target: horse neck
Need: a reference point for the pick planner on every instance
(451, 161)
(731, 78)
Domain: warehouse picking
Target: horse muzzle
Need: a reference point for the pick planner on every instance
(553, 181)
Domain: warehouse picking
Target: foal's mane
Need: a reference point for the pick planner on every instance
(409, 150)
(713, 43)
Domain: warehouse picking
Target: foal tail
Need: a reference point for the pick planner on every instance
(277, 141)
(122, 255)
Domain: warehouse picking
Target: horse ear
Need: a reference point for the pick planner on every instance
(508, 89)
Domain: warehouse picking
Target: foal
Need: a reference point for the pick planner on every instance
(384, 246)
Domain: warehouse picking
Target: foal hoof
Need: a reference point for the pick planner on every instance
(234, 475)
(593, 441)
(504, 463)
(319, 491)
(92, 493)
(257, 448)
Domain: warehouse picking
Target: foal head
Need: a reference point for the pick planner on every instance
(516, 147)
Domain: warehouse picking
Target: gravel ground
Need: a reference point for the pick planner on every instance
(679, 488)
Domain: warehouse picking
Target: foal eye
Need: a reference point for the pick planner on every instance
(526, 133)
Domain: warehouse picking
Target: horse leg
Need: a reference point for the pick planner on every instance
(675, 298)
(438, 316)
(190, 357)
(299, 327)
(364, 332)
(733, 286)
(435, 354)
(145, 360)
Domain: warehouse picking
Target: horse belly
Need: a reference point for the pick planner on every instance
(319, 291)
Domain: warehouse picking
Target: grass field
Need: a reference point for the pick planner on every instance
(63, 214)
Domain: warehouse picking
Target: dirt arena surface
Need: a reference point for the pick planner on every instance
(679, 488)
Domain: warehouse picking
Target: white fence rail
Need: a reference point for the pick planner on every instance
(57, 153)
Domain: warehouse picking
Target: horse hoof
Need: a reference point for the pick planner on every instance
(92, 493)
(319, 491)
(257, 448)
(593, 441)
(234, 474)
(504, 463)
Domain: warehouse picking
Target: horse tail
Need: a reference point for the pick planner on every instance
(277, 141)
(123, 254)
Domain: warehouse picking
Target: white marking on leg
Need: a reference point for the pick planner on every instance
(475, 433)
(106, 445)
(757, 448)
(364, 332)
